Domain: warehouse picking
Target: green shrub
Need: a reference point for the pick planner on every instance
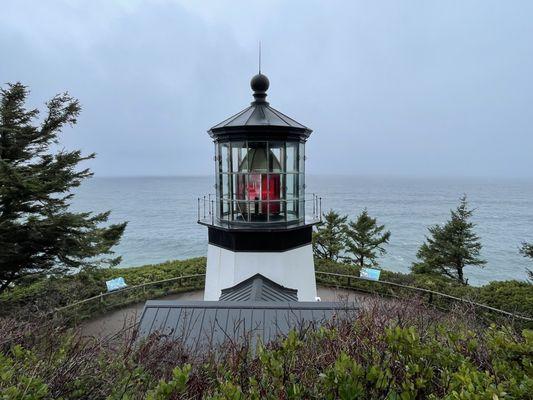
(512, 296)
(38, 296)
(392, 351)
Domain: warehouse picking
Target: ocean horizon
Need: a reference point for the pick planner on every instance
(162, 214)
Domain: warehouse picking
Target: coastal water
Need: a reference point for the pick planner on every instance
(162, 215)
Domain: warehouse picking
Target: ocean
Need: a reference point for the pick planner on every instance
(162, 212)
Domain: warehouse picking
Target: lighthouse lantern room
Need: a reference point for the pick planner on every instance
(257, 219)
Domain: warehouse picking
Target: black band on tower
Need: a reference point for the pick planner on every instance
(260, 240)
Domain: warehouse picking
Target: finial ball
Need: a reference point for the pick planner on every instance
(260, 83)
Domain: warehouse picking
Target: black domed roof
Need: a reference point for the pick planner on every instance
(259, 114)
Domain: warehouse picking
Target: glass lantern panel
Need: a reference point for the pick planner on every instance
(257, 157)
(253, 187)
(301, 158)
(225, 187)
(225, 157)
(291, 186)
(292, 210)
(272, 189)
(276, 156)
(217, 158)
(301, 186)
(240, 210)
(276, 211)
(239, 161)
(239, 186)
(292, 157)
(225, 209)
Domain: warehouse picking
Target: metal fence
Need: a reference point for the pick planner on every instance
(346, 281)
(100, 297)
(340, 280)
(325, 278)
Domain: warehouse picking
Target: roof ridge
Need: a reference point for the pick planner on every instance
(233, 117)
(283, 116)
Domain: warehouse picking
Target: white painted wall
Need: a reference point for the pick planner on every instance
(294, 269)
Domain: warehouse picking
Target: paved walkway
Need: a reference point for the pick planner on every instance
(114, 321)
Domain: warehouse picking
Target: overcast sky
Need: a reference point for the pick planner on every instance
(425, 88)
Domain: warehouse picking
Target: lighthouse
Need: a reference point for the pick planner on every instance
(257, 222)
(260, 277)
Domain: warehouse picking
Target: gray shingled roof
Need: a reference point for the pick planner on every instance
(259, 114)
(259, 288)
(200, 325)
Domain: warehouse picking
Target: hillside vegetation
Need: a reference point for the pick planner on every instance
(43, 294)
(391, 350)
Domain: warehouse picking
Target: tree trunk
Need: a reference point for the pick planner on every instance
(460, 274)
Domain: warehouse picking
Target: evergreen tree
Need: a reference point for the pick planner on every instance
(365, 240)
(329, 239)
(452, 247)
(527, 251)
(38, 233)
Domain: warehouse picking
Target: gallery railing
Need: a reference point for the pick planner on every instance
(211, 211)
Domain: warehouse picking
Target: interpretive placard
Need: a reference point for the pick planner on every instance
(116, 284)
(370, 274)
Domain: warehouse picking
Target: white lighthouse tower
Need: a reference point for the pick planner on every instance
(256, 221)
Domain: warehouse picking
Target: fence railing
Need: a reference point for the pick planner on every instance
(340, 280)
(348, 279)
(48, 317)
(103, 295)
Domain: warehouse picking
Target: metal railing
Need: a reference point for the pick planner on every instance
(103, 295)
(48, 317)
(340, 277)
(207, 210)
(348, 279)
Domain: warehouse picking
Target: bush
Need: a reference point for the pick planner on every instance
(393, 350)
(38, 296)
(513, 296)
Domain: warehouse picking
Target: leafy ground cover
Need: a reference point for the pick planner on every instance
(392, 350)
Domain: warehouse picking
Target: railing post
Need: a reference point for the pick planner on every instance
(212, 212)
(204, 207)
(198, 209)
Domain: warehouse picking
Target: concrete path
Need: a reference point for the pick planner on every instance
(113, 322)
